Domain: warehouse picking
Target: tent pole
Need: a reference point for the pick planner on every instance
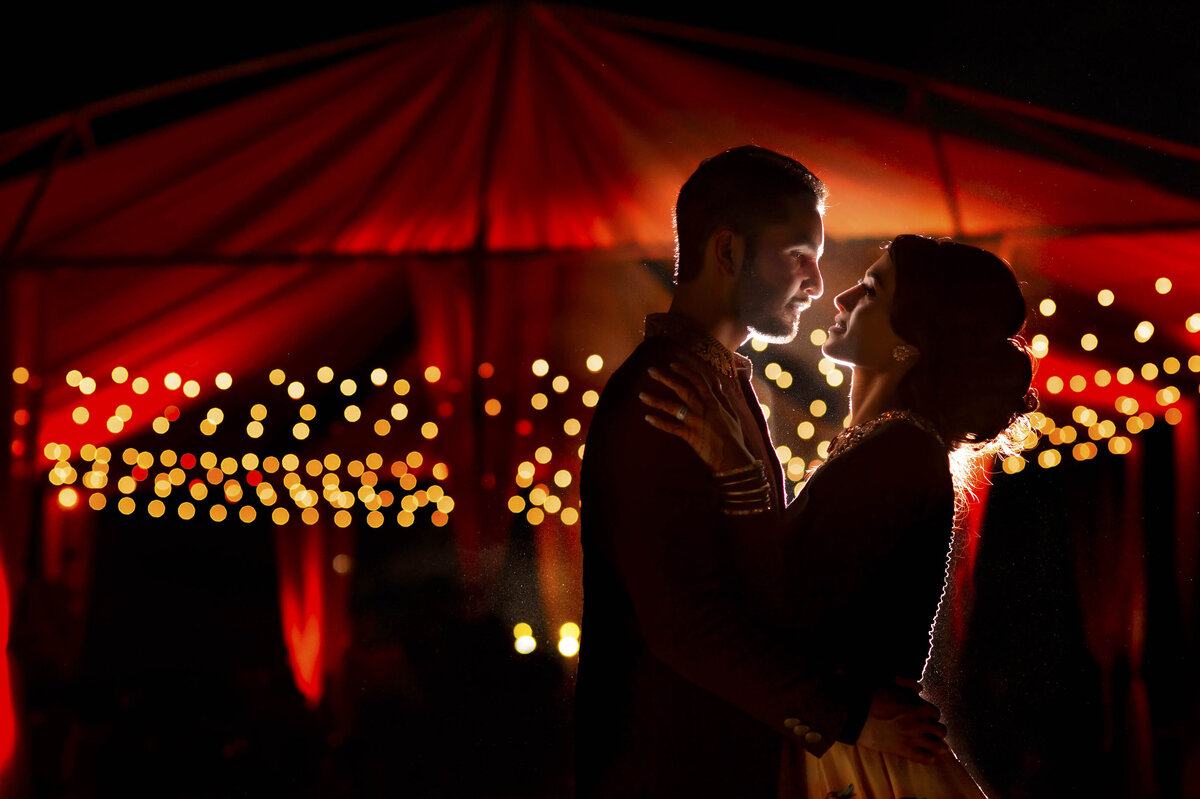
(918, 103)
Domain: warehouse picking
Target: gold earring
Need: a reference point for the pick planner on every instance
(904, 352)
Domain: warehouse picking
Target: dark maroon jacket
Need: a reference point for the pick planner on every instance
(689, 664)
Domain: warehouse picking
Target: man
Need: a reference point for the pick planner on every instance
(688, 679)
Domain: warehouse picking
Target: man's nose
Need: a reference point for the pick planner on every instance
(812, 284)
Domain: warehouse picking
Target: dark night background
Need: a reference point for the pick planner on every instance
(501, 730)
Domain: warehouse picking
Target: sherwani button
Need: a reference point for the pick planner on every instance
(790, 723)
(812, 738)
(800, 729)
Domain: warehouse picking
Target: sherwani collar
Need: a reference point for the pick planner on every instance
(694, 338)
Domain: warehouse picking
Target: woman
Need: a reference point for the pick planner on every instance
(938, 379)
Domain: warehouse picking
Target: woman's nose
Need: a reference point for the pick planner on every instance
(845, 300)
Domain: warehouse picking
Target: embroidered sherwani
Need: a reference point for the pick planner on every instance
(689, 680)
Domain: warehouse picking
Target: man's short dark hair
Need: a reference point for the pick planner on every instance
(742, 189)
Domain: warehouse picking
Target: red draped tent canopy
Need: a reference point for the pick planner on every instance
(487, 188)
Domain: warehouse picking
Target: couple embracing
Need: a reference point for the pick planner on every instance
(736, 644)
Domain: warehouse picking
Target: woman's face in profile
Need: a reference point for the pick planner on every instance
(861, 334)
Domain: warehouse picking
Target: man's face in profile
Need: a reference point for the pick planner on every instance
(780, 275)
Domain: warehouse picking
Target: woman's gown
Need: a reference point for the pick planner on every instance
(865, 551)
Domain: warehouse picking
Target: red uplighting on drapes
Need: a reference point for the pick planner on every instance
(494, 178)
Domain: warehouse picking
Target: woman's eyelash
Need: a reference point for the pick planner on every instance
(868, 289)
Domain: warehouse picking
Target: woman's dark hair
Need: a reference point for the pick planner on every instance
(963, 309)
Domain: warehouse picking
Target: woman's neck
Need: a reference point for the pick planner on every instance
(871, 393)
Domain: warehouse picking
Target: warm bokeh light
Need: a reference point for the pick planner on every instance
(572, 427)
(542, 455)
(569, 516)
(1040, 345)
(68, 498)
(560, 384)
(784, 380)
(1149, 371)
(1143, 332)
(818, 337)
(224, 380)
(432, 374)
(772, 370)
(539, 401)
(300, 430)
(1171, 366)
(1193, 323)
(87, 385)
(1163, 285)
(1105, 297)
(1049, 459)
(429, 430)
(1014, 463)
(191, 388)
(1078, 383)
(295, 389)
(1124, 375)
(817, 408)
(1047, 307)
(590, 398)
(173, 381)
(595, 363)
(1102, 377)
(805, 430)
(758, 345)
(79, 415)
(486, 370)
(540, 367)
(140, 385)
(20, 375)
(1089, 342)
(525, 644)
(568, 646)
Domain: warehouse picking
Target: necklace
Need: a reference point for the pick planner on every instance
(852, 436)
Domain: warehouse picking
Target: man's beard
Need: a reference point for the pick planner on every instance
(753, 311)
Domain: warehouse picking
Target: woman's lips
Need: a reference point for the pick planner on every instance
(837, 327)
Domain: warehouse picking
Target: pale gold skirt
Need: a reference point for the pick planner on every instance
(876, 775)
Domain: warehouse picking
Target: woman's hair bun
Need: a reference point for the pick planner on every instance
(963, 309)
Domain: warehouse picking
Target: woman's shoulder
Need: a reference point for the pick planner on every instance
(901, 450)
(899, 433)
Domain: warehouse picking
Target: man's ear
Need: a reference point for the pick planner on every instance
(730, 251)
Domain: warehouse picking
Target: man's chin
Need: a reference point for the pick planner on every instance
(777, 333)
